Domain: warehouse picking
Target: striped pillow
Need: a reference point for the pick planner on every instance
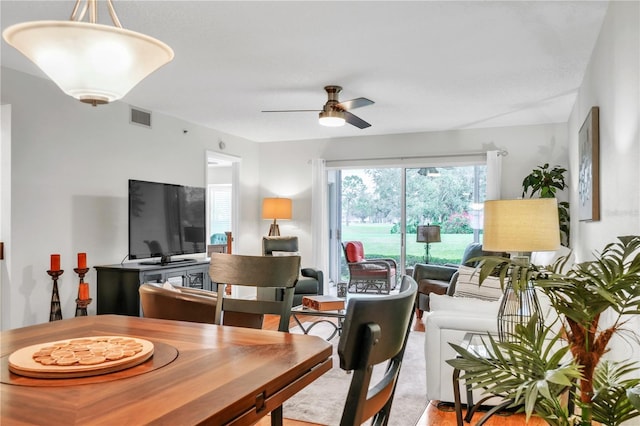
(467, 285)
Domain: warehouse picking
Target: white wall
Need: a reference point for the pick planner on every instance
(612, 82)
(5, 208)
(70, 166)
(290, 174)
(71, 163)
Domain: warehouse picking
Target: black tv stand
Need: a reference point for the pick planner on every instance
(117, 285)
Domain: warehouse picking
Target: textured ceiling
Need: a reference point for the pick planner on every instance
(428, 65)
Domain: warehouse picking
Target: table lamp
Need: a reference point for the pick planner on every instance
(520, 227)
(428, 234)
(276, 208)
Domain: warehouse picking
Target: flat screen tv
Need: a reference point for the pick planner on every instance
(165, 220)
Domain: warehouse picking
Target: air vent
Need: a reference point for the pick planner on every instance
(140, 117)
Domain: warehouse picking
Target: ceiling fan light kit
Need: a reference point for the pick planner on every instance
(332, 118)
(91, 62)
(336, 113)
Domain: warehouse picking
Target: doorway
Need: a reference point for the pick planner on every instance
(223, 177)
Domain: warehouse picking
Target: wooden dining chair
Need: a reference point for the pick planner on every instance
(375, 330)
(259, 272)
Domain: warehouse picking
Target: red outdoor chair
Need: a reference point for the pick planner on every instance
(368, 275)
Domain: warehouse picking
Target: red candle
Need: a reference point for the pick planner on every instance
(83, 291)
(82, 260)
(55, 262)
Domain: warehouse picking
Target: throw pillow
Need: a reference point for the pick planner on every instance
(467, 285)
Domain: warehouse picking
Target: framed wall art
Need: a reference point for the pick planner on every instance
(589, 178)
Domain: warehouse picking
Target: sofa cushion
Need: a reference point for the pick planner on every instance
(548, 258)
(464, 306)
(467, 285)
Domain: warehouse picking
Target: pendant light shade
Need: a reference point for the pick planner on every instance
(91, 62)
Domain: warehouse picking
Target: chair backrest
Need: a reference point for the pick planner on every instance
(180, 304)
(285, 244)
(353, 251)
(254, 271)
(375, 329)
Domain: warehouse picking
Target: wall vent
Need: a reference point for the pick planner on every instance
(140, 117)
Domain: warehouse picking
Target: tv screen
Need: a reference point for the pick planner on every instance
(165, 220)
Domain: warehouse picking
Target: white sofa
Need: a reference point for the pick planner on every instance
(450, 318)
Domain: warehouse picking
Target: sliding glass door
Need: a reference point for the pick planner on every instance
(371, 212)
(443, 212)
(384, 208)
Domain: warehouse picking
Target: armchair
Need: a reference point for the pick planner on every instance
(178, 303)
(365, 275)
(311, 280)
(441, 279)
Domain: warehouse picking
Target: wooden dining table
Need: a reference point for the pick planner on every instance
(198, 374)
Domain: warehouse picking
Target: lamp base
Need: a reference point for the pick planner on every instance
(517, 308)
(274, 230)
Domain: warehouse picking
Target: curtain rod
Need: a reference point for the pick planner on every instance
(501, 153)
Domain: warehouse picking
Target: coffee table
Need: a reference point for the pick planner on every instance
(325, 316)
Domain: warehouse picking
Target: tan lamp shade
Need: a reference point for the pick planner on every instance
(276, 208)
(521, 225)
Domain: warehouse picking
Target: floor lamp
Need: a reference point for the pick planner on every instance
(520, 227)
(276, 208)
(428, 234)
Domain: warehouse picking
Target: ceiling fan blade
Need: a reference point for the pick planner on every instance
(355, 103)
(355, 120)
(292, 110)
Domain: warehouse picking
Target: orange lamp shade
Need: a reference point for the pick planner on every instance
(276, 208)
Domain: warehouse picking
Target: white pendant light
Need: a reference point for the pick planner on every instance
(92, 62)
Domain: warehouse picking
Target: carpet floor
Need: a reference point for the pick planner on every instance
(323, 400)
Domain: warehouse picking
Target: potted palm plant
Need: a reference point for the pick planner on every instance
(535, 371)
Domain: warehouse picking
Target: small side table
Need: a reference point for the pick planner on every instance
(324, 317)
(473, 343)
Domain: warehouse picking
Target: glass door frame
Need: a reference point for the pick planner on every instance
(334, 204)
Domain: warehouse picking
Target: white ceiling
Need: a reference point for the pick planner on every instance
(428, 65)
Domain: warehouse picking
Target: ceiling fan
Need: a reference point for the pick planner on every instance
(336, 113)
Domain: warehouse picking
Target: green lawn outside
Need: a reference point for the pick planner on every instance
(379, 242)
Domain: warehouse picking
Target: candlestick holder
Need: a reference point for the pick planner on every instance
(56, 310)
(83, 300)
